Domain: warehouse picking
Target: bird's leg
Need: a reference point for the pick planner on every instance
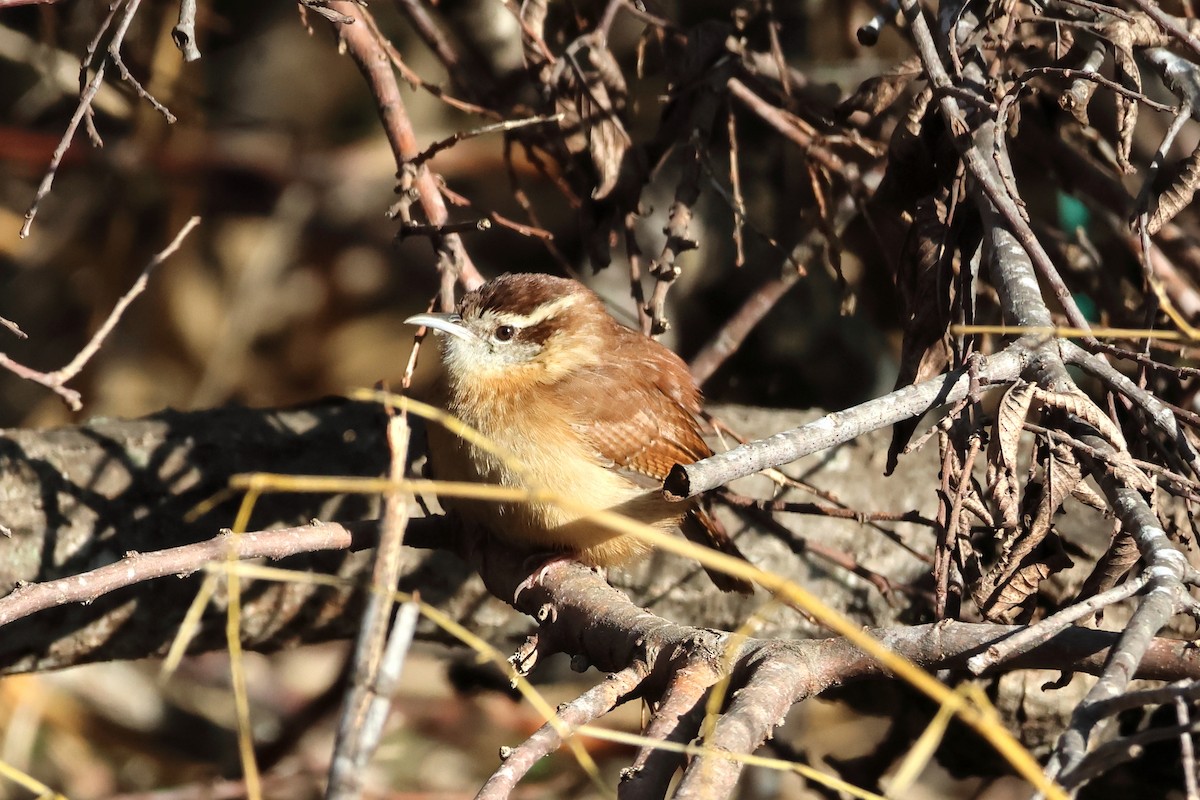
(548, 561)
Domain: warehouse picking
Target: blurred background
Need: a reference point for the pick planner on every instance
(295, 286)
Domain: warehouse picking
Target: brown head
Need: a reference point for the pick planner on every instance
(527, 328)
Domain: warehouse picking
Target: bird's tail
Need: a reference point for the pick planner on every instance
(702, 528)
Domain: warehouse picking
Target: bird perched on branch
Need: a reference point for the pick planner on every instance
(593, 411)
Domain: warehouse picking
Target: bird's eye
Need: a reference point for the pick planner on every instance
(505, 332)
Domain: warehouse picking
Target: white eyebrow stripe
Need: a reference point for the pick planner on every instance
(539, 314)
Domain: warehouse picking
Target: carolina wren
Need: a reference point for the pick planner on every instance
(594, 411)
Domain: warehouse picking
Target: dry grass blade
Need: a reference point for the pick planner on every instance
(29, 782)
(716, 698)
(237, 667)
(189, 627)
(1068, 332)
(921, 753)
(1186, 329)
(781, 765)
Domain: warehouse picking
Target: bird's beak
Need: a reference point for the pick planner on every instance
(445, 323)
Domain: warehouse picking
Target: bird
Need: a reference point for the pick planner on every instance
(592, 410)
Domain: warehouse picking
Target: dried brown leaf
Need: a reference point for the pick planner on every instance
(974, 503)
(924, 278)
(969, 563)
(1116, 562)
(1126, 470)
(1032, 553)
(1010, 420)
(1061, 474)
(1141, 31)
(1005, 605)
(1178, 195)
(599, 106)
(1002, 451)
(1023, 584)
(1127, 110)
(1075, 100)
(1080, 405)
(1088, 496)
(878, 92)
(924, 285)
(1003, 488)
(533, 23)
(910, 154)
(1065, 39)
(591, 94)
(607, 146)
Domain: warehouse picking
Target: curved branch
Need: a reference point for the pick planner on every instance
(372, 60)
(614, 690)
(135, 568)
(841, 426)
(1160, 415)
(1166, 569)
(749, 720)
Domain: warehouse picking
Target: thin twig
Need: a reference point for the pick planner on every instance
(72, 369)
(364, 47)
(733, 333)
(533, 231)
(139, 90)
(498, 127)
(82, 109)
(1170, 24)
(739, 204)
(590, 705)
(795, 129)
(136, 568)
(413, 79)
(408, 229)
(981, 169)
(821, 510)
(14, 327)
(55, 380)
(1035, 635)
(1094, 77)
